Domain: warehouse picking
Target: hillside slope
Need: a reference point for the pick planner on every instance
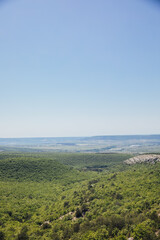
(43, 199)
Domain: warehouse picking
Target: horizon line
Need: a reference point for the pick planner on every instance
(110, 135)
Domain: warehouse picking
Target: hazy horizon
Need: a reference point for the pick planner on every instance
(82, 68)
(84, 136)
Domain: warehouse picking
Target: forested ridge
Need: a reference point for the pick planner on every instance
(78, 196)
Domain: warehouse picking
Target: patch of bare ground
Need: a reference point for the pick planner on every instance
(145, 158)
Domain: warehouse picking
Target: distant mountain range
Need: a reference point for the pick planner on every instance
(50, 140)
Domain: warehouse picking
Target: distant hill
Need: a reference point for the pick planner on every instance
(20, 167)
(71, 140)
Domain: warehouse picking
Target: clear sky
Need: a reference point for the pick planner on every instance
(79, 68)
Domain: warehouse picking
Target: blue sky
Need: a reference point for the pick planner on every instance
(79, 68)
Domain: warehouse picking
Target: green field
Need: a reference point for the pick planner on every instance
(77, 196)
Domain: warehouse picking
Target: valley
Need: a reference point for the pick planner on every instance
(78, 196)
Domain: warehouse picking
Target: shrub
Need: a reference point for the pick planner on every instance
(2, 236)
(76, 227)
(23, 234)
(66, 204)
(78, 213)
(144, 230)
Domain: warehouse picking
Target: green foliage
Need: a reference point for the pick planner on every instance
(2, 236)
(144, 230)
(23, 234)
(78, 213)
(32, 167)
(61, 196)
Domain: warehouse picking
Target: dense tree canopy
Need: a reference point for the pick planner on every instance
(78, 196)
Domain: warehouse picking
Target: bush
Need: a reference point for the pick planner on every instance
(66, 204)
(78, 213)
(23, 234)
(76, 227)
(144, 231)
(2, 236)
(117, 222)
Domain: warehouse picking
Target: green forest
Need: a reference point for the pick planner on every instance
(78, 196)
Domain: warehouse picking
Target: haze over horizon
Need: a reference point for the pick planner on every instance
(89, 136)
(83, 68)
